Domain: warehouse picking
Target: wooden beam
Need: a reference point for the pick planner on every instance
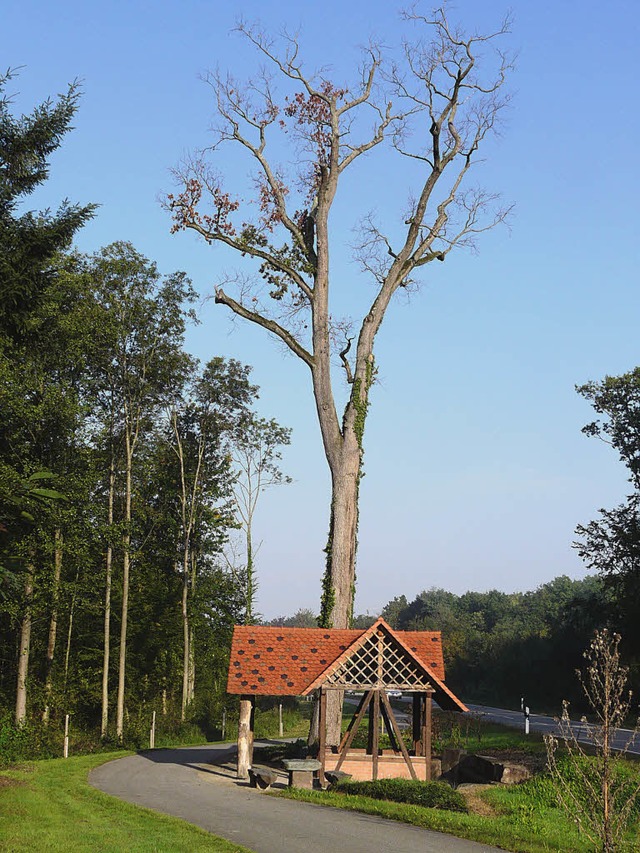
(403, 748)
(245, 735)
(389, 728)
(374, 732)
(322, 734)
(356, 723)
(428, 734)
(352, 721)
(417, 724)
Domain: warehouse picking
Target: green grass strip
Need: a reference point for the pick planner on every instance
(50, 806)
(515, 828)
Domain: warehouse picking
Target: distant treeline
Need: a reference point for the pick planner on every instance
(499, 646)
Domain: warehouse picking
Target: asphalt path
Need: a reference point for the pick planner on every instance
(623, 739)
(197, 785)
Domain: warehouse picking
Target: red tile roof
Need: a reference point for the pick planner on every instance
(282, 661)
(287, 661)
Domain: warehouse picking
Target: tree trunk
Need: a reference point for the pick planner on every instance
(185, 640)
(344, 531)
(126, 546)
(53, 623)
(339, 581)
(248, 618)
(104, 720)
(191, 692)
(245, 736)
(69, 631)
(192, 647)
(23, 650)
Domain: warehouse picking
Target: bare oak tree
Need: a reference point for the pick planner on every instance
(433, 106)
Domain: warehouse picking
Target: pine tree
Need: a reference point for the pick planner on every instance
(30, 241)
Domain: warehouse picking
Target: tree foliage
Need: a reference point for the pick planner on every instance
(136, 438)
(610, 544)
(501, 646)
(30, 241)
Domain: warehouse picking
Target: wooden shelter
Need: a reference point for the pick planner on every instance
(300, 661)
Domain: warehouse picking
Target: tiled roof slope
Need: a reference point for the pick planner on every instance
(285, 661)
(282, 661)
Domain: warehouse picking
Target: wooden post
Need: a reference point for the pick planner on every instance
(322, 741)
(152, 732)
(224, 723)
(427, 734)
(351, 732)
(245, 736)
(417, 723)
(375, 734)
(66, 736)
(280, 726)
(398, 735)
(252, 729)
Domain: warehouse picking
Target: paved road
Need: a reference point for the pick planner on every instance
(623, 739)
(192, 783)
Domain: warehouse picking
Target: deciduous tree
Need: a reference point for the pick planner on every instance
(256, 456)
(610, 544)
(436, 104)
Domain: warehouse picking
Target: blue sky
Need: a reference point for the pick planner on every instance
(476, 469)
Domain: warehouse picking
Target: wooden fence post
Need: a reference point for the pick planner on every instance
(152, 732)
(66, 736)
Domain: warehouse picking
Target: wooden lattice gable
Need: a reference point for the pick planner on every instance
(380, 659)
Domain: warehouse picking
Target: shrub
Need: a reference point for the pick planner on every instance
(434, 795)
(26, 742)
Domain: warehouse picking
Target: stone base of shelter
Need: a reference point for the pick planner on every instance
(359, 765)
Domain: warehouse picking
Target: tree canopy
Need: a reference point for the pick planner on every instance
(30, 241)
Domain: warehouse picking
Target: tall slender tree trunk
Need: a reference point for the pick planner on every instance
(53, 623)
(186, 636)
(24, 647)
(126, 561)
(104, 720)
(248, 618)
(67, 653)
(192, 648)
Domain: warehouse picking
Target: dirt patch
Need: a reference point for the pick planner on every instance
(6, 782)
(475, 803)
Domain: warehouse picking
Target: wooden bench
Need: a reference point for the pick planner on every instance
(261, 777)
(301, 771)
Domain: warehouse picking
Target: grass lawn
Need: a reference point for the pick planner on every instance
(50, 806)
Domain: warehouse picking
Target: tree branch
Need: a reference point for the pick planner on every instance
(266, 323)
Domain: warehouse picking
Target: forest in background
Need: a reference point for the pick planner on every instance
(499, 647)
